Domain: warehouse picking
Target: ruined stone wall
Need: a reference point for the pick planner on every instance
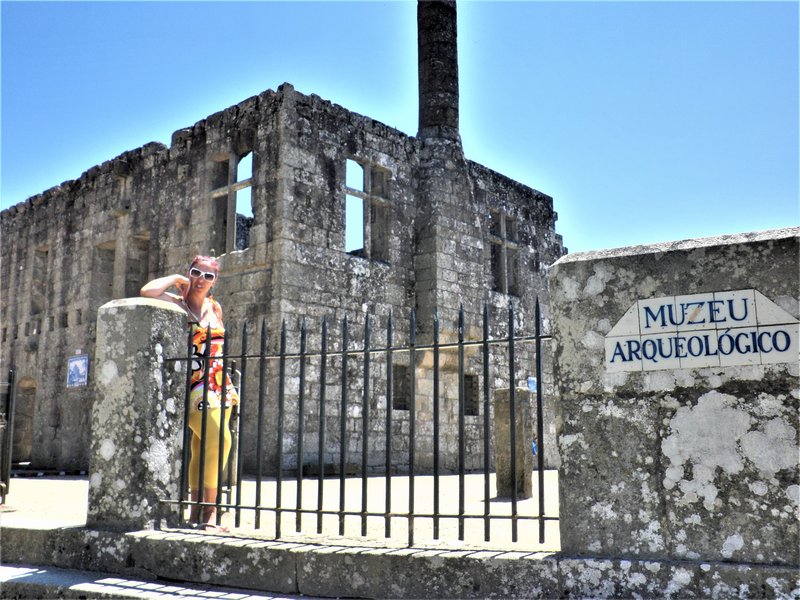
(435, 240)
(677, 370)
(64, 253)
(314, 278)
(429, 217)
(100, 237)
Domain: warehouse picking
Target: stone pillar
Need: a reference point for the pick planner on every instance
(137, 416)
(502, 442)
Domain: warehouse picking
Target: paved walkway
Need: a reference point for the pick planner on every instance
(45, 502)
(42, 582)
(53, 502)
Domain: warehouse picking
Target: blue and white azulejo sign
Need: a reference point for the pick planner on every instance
(715, 329)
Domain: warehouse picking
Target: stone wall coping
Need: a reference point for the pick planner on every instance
(142, 301)
(689, 244)
(120, 164)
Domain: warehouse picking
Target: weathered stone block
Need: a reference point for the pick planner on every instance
(522, 443)
(137, 417)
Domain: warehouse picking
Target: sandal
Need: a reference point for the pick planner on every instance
(213, 527)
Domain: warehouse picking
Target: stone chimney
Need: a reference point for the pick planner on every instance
(438, 69)
(445, 231)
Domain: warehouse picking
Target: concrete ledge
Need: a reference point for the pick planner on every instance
(371, 572)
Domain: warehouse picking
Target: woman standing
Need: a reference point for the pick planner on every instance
(204, 312)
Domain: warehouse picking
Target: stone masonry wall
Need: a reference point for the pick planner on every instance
(79, 245)
(677, 370)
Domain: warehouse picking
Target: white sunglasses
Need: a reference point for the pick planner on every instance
(207, 275)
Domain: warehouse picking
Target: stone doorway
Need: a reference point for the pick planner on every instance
(25, 407)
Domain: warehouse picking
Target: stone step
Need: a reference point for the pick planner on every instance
(302, 568)
(31, 581)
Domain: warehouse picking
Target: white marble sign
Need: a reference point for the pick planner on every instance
(715, 329)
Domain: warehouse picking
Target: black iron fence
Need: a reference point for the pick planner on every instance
(343, 491)
(8, 395)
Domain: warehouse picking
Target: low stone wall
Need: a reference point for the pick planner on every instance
(332, 571)
(677, 370)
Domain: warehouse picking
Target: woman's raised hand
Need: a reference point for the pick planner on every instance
(182, 283)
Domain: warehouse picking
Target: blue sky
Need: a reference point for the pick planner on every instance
(646, 121)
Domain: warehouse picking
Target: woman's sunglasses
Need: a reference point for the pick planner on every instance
(207, 275)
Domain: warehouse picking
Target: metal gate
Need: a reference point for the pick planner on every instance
(352, 483)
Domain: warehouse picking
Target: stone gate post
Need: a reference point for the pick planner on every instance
(137, 417)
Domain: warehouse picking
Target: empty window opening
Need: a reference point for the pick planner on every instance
(354, 225)
(244, 168)
(231, 182)
(244, 205)
(503, 253)
(401, 387)
(244, 218)
(354, 176)
(367, 211)
(244, 201)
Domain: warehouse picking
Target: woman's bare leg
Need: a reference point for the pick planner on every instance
(194, 512)
(210, 512)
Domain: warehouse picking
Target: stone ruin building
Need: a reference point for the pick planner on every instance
(265, 185)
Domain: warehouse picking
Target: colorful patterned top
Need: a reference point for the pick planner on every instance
(215, 376)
